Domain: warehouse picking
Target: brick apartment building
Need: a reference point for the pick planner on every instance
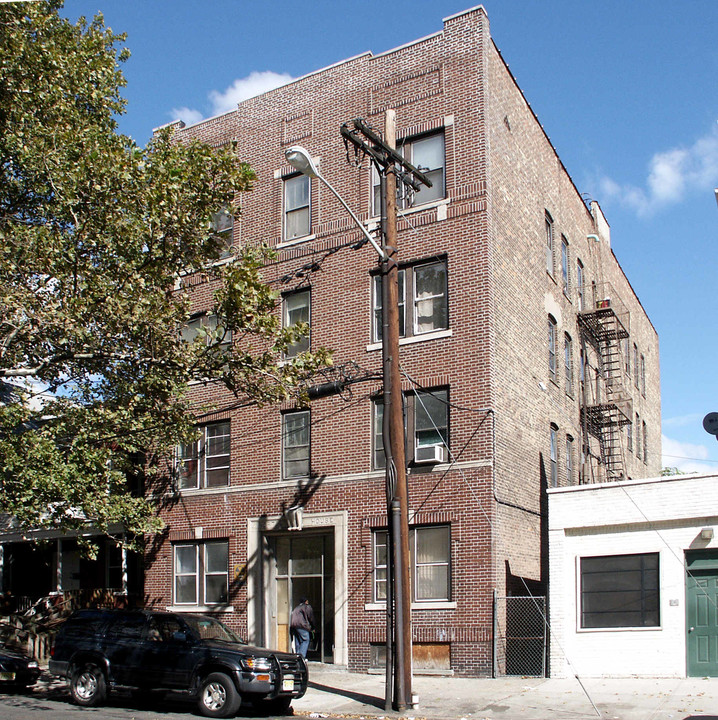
(528, 362)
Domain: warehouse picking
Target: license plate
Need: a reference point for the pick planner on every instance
(7, 676)
(288, 683)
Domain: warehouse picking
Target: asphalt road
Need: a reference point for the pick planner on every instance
(52, 702)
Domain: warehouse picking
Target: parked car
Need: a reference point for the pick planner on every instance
(99, 650)
(17, 670)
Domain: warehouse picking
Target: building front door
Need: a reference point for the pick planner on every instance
(304, 567)
(702, 613)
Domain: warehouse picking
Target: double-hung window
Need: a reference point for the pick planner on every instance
(552, 347)
(296, 309)
(620, 591)
(201, 573)
(579, 284)
(295, 444)
(569, 459)
(568, 363)
(222, 224)
(553, 456)
(549, 244)
(427, 154)
(297, 216)
(426, 426)
(207, 327)
(564, 264)
(423, 300)
(205, 463)
(430, 549)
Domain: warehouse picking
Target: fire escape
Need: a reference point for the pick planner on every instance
(606, 405)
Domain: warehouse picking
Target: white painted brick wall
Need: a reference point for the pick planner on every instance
(663, 515)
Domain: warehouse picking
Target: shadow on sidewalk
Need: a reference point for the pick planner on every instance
(359, 697)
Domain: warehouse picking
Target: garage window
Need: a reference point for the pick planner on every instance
(620, 591)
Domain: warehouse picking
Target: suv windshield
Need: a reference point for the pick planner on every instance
(207, 628)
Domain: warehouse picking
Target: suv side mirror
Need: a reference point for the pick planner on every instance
(180, 636)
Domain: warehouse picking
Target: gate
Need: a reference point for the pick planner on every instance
(520, 641)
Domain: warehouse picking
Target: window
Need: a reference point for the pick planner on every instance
(568, 363)
(645, 442)
(430, 564)
(205, 463)
(426, 422)
(549, 244)
(297, 221)
(643, 375)
(629, 436)
(636, 366)
(626, 348)
(201, 573)
(206, 327)
(564, 264)
(554, 455)
(579, 284)
(569, 459)
(295, 444)
(222, 224)
(296, 309)
(424, 289)
(620, 591)
(637, 426)
(427, 154)
(552, 347)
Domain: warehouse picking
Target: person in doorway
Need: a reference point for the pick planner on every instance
(301, 626)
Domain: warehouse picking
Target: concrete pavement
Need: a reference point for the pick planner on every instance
(334, 691)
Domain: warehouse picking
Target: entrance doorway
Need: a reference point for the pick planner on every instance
(701, 616)
(304, 567)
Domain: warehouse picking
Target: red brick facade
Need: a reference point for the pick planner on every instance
(502, 177)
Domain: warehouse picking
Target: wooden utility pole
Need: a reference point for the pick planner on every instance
(388, 163)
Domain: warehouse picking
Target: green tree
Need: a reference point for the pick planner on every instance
(96, 234)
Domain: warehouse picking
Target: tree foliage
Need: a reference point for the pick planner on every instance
(95, 236)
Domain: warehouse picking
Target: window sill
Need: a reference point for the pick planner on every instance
(438, 605)
(412, 339)
(296, 241)
(200, 608)
(652, 628)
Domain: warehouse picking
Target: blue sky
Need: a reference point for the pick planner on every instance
(627, 92)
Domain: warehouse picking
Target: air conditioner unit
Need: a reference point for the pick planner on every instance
(427, 454)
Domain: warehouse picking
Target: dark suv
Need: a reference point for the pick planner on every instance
(103, 649)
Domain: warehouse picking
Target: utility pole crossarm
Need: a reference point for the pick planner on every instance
(381, 153)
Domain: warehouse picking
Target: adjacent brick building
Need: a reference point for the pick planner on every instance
(528, 362)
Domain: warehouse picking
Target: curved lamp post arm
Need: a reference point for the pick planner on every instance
(301, 160)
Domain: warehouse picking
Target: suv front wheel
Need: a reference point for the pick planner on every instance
(87, 685)
(218, 697)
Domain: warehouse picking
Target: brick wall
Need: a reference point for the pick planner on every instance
(501, 176)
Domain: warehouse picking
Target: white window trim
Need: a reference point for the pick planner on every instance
(428, 605)
(296, 241)
(424, 337)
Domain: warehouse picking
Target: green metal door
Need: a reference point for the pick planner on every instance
(702, 614)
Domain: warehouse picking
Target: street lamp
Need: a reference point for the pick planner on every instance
(399, 600)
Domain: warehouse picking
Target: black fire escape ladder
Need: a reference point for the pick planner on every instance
(603, 414)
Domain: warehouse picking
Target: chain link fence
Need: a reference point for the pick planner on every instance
(520, 641)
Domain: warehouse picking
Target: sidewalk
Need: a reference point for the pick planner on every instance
(334, 691)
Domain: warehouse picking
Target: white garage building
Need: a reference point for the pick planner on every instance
(634, 578)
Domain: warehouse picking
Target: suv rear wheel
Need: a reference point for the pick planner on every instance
(87, 685)
(218, 698)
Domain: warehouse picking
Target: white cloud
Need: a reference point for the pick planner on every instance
(255, 84)
(671, 175)
(694, 419)
(220, 102)
(186, 115)
(686, 457)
